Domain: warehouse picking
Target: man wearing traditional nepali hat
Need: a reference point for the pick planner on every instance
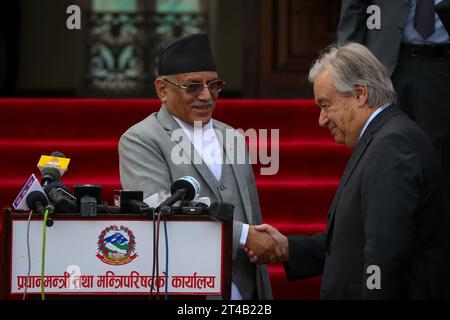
(188, 86)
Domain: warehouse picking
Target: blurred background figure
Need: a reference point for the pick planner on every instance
(415, 47)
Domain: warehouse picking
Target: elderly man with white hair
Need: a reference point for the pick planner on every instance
(387, 231)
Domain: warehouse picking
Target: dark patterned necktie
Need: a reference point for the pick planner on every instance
(424, 18)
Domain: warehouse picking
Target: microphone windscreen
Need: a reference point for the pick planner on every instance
(50, 174)
(34, 197)
(57, 154)
(190, 184)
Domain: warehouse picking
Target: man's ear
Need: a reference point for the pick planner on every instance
(161, 89)
(362, 95)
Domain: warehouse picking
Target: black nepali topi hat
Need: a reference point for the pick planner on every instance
(189, 54)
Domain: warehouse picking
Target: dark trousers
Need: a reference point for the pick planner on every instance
(423, 92)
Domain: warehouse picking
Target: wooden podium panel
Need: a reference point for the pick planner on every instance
(111, 255)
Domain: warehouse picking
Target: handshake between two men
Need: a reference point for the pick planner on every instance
(265, 244)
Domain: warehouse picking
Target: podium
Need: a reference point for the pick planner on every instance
(112, 256)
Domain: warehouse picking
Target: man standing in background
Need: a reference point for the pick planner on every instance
(414, 46)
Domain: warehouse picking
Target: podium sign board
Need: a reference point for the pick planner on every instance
(114, 256)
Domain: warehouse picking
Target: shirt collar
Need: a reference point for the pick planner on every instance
(372, 116)
(190, 128)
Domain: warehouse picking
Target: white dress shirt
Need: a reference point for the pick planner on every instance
(205, 142)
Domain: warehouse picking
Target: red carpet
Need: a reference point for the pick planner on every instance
(87, 131)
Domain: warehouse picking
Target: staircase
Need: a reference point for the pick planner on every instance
(295, 200)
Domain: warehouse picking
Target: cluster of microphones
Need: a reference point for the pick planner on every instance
(52, 195)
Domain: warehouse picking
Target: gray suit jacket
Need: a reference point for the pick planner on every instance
(145, 156)
(384, 43)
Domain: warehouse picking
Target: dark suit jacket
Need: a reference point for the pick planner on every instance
(384, 43)
(389, 210)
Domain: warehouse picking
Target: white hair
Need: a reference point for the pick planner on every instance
(354, 65)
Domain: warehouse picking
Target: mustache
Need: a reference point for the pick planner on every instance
(201, 104)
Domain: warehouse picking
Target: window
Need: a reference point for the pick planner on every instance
(124, 37)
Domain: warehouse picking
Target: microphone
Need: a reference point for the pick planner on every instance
(131, 201)
(37, 202)
(221, 211)
(107, 209)
(88, 197)
(185, 188)
(61, 197)
(52, 167)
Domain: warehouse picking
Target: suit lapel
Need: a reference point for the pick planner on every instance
(359, 151)
(238, 169)
(169, 123)
(353, 161)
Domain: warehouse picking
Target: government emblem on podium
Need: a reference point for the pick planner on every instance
(116, 245)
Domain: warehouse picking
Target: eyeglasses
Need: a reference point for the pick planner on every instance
(194, 88)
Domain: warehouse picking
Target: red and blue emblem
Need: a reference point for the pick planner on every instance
(116, 245)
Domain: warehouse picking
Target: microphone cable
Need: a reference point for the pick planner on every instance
(166, 295)
(153, 267)
(44, 238)
(158, 224)
(28, 255)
